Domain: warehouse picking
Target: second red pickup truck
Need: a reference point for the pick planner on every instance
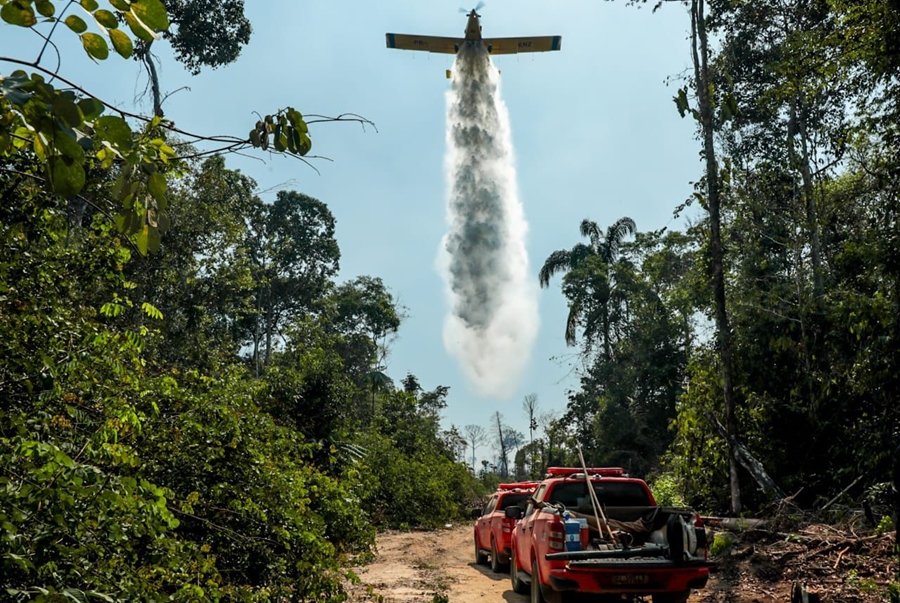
(628, 547)
(493, 528)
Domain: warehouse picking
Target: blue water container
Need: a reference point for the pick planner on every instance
(573, 532)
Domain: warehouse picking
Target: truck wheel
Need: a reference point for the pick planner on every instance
(480, 558)
(517, 585)
(537, 595)
(496, 566)
(681, 597)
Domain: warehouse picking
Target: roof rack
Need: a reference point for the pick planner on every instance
(518, 486)
(578, 471)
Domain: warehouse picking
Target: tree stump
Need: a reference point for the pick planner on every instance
(801, 594)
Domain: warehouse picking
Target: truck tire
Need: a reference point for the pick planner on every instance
(480, 558)
(517, 585)
(496, 566)
(680, 597)
(537, 594)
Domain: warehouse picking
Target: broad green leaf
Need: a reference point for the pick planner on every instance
(19, 13)
(143, 239)
(74, 594)
(157, 186)
(121, 42)
(40, 149)
(277, 139)
(106, 19)
(113, 129)
(137, 29)
(90, 107)
(67, 111)
(296, 119)
(45, 7)
(152, 13)
(128, 222)
(155, 240)
(292, 139)
(95, 45)
(305, 144)
(122, 5)
(11, 87)
(76, 24)
(67, 146)
(90, 5)
(66, 175)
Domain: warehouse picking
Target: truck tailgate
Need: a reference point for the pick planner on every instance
(636, 563)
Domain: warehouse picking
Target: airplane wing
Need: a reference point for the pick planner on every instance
(425, 43)
(515, 45)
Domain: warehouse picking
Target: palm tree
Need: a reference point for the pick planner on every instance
(589, 277)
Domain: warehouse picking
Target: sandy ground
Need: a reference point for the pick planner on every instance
(412, 567)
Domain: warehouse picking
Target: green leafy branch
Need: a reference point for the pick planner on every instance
(145, 18)
(67, 130)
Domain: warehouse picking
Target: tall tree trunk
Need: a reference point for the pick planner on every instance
(503, 460)
(271, 319)
(812, 214)
(797, 124)
(701, 74)
(607, 352)
(256, 333)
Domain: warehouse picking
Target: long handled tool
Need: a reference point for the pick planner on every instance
(595, 503)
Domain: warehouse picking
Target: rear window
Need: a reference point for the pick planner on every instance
(512, 500)
(574, 495)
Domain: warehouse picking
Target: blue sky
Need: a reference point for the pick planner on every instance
(594, 127)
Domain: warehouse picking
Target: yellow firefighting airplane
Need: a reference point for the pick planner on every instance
(473, 37)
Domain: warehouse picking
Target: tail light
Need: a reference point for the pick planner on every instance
(557, 539)
(702, 544)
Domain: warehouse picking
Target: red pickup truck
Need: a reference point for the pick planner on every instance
(493, 528)
(627, 548)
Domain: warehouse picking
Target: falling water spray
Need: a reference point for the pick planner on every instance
(493, 318)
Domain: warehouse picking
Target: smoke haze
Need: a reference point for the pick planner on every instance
(493, 318)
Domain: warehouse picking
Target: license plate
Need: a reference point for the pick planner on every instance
(630, 579)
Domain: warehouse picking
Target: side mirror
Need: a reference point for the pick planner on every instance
(514, 512)
(476, 513)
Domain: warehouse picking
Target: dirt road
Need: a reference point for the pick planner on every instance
(414, 566)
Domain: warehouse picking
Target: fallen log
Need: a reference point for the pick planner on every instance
(745, 458)
(735, 524)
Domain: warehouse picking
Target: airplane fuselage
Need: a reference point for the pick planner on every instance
(473, 28)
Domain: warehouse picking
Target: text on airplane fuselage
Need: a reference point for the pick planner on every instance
(525, 44)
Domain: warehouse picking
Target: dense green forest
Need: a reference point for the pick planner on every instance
(193, 408)
(776, 312)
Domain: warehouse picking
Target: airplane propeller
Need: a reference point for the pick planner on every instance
(477, 8)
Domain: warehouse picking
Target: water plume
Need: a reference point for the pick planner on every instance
(493, 318)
